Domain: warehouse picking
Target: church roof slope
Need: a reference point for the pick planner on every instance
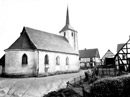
(46, 41)
(89, 53)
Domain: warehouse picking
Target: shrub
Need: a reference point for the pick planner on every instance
(126, 86)
(107, 87)
(90, 77)
(66, 92)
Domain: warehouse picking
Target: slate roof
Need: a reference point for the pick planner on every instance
(119, 46)
(44, 41)
(89, 53)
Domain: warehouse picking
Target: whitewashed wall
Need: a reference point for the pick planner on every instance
(73, 62)
(13, 62)
(97, 60)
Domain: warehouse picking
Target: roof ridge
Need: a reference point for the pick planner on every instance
(44, 32)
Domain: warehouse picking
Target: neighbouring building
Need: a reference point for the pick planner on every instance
(122, 57)
(108, 58)
(37, 52)
(89, 58)
(2, 64)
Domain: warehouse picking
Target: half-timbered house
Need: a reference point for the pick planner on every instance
(89, 57)
(122, 58)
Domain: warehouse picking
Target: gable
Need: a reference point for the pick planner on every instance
(108, 54)
(23, 42)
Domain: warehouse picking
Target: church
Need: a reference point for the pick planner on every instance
(38, 52)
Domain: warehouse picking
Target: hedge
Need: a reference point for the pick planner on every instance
(111, 86)
(65, 92)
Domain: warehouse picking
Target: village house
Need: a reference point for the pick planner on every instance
(122, 57)
(108, 58)
(38, 52)
(89, 58)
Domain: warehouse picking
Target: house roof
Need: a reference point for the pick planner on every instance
(89, 53)
(108, 54)
(119, 46)
(2, 60)
(44, 41)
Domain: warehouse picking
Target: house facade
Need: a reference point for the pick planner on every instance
(122, 57)
(107, 58)
(89, 58)
(38, 52)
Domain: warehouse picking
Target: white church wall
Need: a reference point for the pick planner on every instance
(73, 62)
(69, 37)
(13, 62)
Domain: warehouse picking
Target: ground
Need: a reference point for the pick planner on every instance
(35, 86)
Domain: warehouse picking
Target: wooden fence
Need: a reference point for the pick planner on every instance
(76, 82)
(107, 72)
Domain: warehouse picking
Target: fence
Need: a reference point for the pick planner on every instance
(76, 82)
(107, 72)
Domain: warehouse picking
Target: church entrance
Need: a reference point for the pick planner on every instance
(46, 63)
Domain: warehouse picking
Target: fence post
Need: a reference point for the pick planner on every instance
(67, 84)
(74, 81)
(80, 79)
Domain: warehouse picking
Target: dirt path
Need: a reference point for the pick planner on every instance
(34, 87)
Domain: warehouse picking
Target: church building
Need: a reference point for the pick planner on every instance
(37, 52)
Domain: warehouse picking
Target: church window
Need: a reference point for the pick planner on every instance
(67, 61)
(46, 60)
(72, 34)
(57, 60)
(64, 34)
(24, 59)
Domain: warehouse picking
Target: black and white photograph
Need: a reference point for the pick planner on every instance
(64, 48)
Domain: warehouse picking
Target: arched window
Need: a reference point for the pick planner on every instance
(67, 61)
(72, 34)
(46, 60)
(57, 60)
(24, 59)
(64, 34)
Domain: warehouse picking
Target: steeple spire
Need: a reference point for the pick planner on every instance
(67, 25)
(67, 16)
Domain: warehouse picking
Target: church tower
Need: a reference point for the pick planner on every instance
(69, 33)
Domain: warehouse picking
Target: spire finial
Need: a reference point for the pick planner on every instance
(67, 16)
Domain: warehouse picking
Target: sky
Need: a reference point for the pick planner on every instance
(100, 24)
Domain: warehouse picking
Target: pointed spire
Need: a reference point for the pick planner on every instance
(67, 16)
(67, 25)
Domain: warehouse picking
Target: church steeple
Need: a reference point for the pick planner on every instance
(69, 33)
(67, 25)
(67, 17)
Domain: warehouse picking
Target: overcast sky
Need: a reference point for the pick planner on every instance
(100, 24)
